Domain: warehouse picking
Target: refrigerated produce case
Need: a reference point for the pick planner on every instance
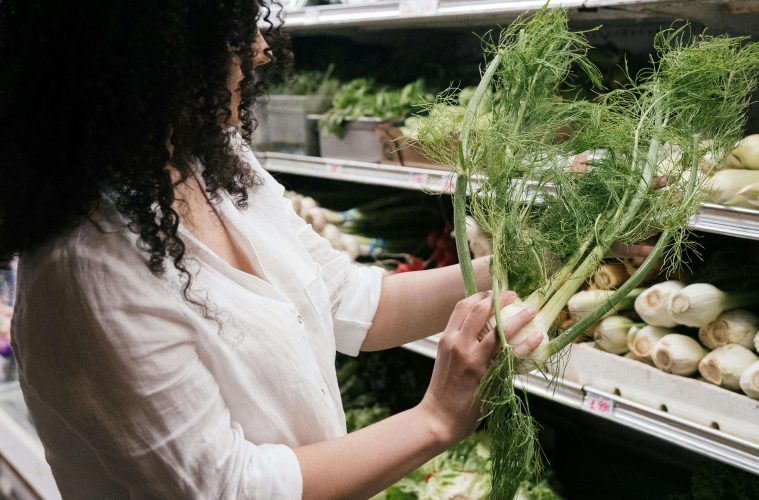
(674, 418)
(685, 413)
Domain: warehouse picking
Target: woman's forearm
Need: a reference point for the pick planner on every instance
(367, 461)
(417, 304)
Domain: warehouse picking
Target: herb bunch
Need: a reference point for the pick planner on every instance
(552, 226)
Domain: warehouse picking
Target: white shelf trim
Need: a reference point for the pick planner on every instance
(389, 12)
(439, 181)
(678, 431)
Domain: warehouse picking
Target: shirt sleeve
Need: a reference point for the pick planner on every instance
(354, 289)
(121, 368)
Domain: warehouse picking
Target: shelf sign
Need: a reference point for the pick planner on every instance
(334, 169)
(450, 184)
(418, 179)
(599, 405)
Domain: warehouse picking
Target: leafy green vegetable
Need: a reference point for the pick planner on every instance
(364, 98)
(451, 110)
(358, 418)
(360, 404)
(461, 473)
(539, 491)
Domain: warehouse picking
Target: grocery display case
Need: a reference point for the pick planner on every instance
(576, 389)
(677, 411)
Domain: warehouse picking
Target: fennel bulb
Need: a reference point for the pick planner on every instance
(611, 334)
(652, 305)
(724, 365)
(678, 354)
(731, 327)
(700, 304)
(749, 380)
(641, 341)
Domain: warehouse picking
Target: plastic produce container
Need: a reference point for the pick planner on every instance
(360, 142)
(283, 125)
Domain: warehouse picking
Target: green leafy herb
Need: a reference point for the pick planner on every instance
(364, 98)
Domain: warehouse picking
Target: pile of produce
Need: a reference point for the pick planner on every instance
(360, 404)
(6, 314)
(725, 350)
(7, 363)
(694, 96)
(391, 230)
(461, 473)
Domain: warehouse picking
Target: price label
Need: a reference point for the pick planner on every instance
(598, 405)
(334, 169)
(418, 179)
(450, 184)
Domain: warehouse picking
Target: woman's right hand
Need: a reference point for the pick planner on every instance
(466, 349)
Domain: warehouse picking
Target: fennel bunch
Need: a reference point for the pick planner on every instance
(693, 98)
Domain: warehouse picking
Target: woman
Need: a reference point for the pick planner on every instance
(176, 322)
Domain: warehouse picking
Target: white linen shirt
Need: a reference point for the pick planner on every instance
(135, 394)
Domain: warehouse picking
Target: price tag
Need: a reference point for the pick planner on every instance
(598, 405)
(450, 184)
(334, 169)
(418, 179)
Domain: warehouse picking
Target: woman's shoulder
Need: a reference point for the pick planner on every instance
(87, 283)
(90, 257)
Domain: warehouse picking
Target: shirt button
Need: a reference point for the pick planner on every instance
(300, 319)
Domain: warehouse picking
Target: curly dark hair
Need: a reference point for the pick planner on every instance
(91, 93)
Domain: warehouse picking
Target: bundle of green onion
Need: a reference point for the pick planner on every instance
(388, 225)
(693, 98)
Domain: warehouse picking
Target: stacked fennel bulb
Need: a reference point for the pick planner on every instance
(737, 183)
(725, 350)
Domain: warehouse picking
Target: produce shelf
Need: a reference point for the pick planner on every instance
(674, 429)
(711, 218)
(385, 13)
(439, 181)
(729, 221)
